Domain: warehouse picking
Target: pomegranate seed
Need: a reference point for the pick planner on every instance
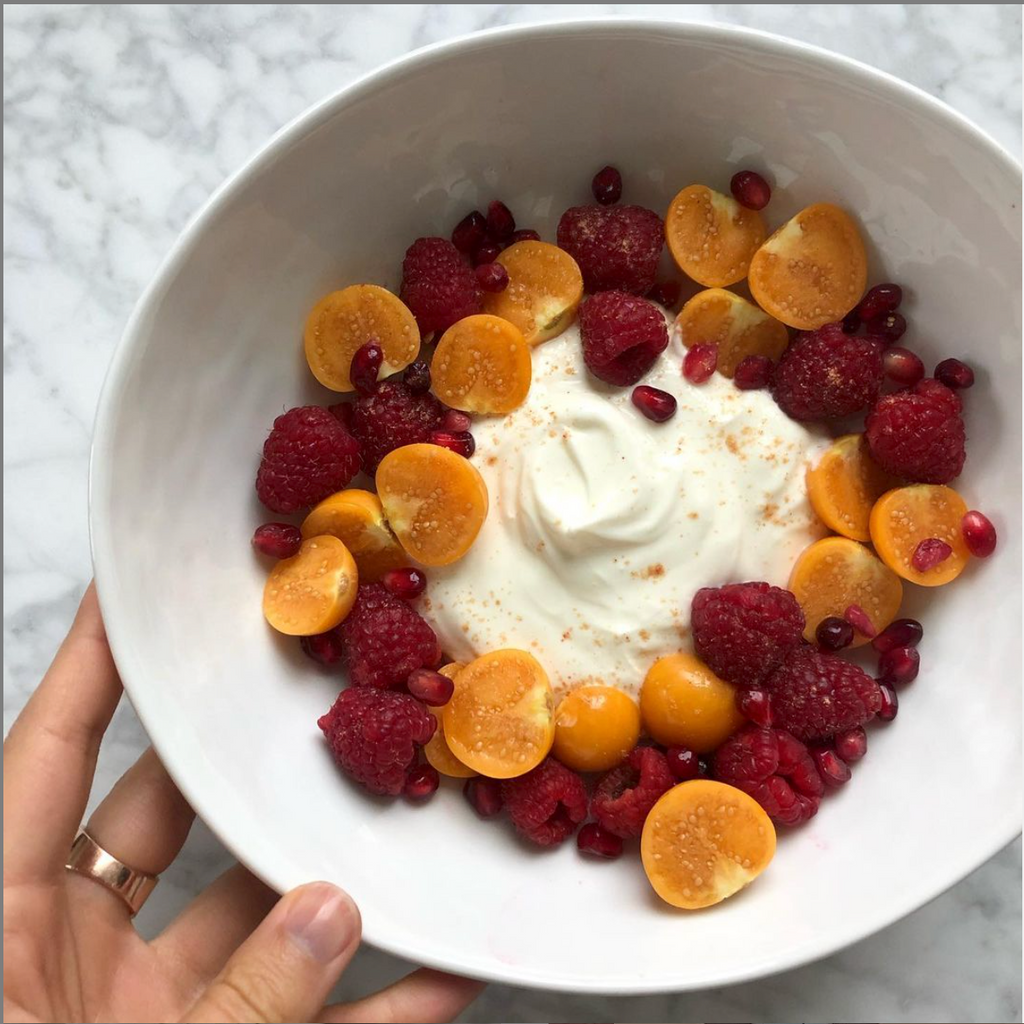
(930, 553)
(459, 441)
(524, 235)
(860, 620)
(954, 374)
(851, 745)
(492, 277)
(654, 403)
(683, 763)
(755, 706)
(888, 328)
(417, 377)
(890, 703)
(902, 366)
(484, 795)
(469, 234)
(598, 842)
(365, 367)
(405, 583)
(900, 665)
(834, 633)
(500, 222)
(456, 421)
(753, 373)
(487, 253)
(607, 186)
(899, 633)
(665, 293)
(324, 647)
(421, 782)
(834, 771)
(279, 540)
(700, 362)
(431, 687)
(883, 298)
(979, 534)
(851, 322)
(749, 189)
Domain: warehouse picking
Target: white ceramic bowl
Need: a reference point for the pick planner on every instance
(212, 354)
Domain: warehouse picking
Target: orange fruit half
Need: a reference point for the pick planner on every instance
(357, 519)
(544, 290)
(703, 841)
(500, 720)
(736, 326)
(313, 591)
(835, 573)
(434, 499)
(437, 751)
(845, 484)
(482, 364)
(711, 237)
(905, 516)
(813, 270)
(342, 322)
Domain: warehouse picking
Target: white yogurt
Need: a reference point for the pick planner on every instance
(603, 525)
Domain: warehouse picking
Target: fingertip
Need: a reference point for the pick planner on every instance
(456, 985)
(322, 920)
(89, 618)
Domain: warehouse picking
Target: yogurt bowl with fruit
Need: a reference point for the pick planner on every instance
(605, 486)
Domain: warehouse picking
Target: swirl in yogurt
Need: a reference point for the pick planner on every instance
(603, 525)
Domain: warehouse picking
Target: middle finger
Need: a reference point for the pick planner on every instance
(216, 923)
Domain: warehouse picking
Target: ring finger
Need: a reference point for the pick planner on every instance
(143, 822)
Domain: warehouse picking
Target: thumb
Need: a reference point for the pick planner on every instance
(286, 968)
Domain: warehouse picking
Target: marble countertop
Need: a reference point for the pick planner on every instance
(118, 123)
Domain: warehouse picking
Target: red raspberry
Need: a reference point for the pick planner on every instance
(815, 695)
(625, 795)
(385, 639)
(308, 455)
(546, 804)
(622, 336)
(826, 374)
(391, 417)
(374, 736)
(743, 630)
(919, 433)
(774, 768)
(617, 247)
(438, 285)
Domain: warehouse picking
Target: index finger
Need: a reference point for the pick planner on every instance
(50, 753)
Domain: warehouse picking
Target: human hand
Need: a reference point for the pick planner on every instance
(236, 953)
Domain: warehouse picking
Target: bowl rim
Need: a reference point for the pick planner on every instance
(100, 479)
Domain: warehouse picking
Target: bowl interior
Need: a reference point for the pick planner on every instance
(213, 354)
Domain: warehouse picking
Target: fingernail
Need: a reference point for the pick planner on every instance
(322, 922)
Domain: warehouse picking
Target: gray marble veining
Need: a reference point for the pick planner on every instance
(119, 122)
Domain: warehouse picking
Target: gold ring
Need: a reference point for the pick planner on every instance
(88, 858)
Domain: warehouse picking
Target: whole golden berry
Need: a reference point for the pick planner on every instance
(684, 703)
(596, 726)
